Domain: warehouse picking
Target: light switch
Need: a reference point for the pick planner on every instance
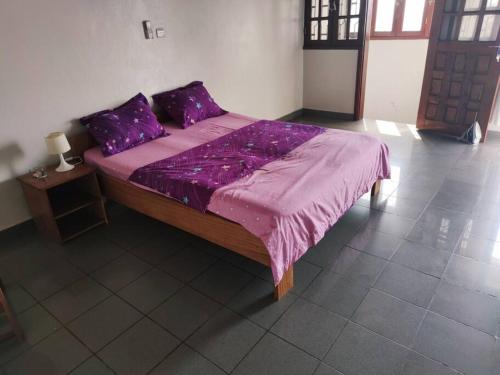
(148, 30)
(160, 32)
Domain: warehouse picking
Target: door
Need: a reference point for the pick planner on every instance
(461, 73)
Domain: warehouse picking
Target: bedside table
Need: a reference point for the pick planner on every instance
(65, 204)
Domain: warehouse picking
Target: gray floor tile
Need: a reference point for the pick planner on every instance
(104, 322)
(50, 279)
(310, 327)
(326, 252)
(474, 275)
(390, 317)
(358, 266)
(409, 285)
(456, 345)
(130, 229)
(225, 339)
(376, 243)
(75, 299)
(419, 365)
(361, 352)
(326, 370)
(158, 248)
(150, 290)
(221, 281)
(37, 324)
(91, 251)
(477, 310)
(139, 349)
(480, 249)
(19, 299)
(92, 366)
(303, 274)
(256, 302)
(275, 356)
(184, 312)
(454, 201)
(437, 237)
(391, 224)
(188, 263)
(121, 272)
(58, 354)
(421, 258)
(336, 293)
(483, 228)
(185, 361)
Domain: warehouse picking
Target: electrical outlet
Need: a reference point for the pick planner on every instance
(160, 32)
(148, 30)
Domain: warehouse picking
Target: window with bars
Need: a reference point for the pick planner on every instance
(401, 19)
(476, 20)
(334, 24)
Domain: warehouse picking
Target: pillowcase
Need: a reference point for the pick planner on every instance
(189, 104)
(124, 127)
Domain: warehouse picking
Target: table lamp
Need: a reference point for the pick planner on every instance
(57, 144)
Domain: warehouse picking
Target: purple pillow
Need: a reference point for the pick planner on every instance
(124, 127)
(189, 104)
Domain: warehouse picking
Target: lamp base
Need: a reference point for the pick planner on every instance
(64, 166)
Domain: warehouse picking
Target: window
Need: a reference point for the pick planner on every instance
(333, 24)
(394, 19)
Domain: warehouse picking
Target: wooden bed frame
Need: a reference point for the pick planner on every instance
(208, 226)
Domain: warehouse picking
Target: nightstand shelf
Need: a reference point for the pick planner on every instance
(67, 204)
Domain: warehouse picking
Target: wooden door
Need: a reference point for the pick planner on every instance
(461, 73)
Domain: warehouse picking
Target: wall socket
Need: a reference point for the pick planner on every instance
(148, 30)
(160, 32)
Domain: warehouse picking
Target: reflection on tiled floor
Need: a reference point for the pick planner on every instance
(407, 285)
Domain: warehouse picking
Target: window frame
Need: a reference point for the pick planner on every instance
(397, 22)
(332, 42)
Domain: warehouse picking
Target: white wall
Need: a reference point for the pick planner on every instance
(394, 79)
(330, 80)
(61, 59)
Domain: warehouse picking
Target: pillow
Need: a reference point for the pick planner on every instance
(189, 104)
(124, 127)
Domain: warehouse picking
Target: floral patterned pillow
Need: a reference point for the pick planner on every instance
(189, 104)
(125, 127)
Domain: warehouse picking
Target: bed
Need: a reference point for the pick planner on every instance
(271, 216)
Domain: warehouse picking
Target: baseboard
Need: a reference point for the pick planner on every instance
(328, 114)
(292, 116)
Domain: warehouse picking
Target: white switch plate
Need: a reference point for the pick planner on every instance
(160, 32)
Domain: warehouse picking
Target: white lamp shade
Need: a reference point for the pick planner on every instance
(57, 143)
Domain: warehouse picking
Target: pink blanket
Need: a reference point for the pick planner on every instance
(289, 203)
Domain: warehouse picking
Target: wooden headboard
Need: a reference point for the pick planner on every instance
(80, 143)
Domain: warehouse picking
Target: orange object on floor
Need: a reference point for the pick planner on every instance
(15, 329)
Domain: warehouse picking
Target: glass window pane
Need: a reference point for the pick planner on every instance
(489, 29)
(471, 5)
(325, 8)
(324, 30)
(385, 15)
(448, 27)
(468, 28)
(414, 15)
(314, 30)
(314, 8)
(493, 4)
(355, 7)
(342, 31)
(353, 28)
(343, 4)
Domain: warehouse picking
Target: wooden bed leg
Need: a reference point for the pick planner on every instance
(285, 284)
(376, 187)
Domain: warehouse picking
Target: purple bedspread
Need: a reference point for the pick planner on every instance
(193, 175)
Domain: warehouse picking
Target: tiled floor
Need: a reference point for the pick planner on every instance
(407, 285)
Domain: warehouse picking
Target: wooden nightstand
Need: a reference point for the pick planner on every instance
(67, 204)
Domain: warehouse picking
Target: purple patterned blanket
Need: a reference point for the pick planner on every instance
(193, 175)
